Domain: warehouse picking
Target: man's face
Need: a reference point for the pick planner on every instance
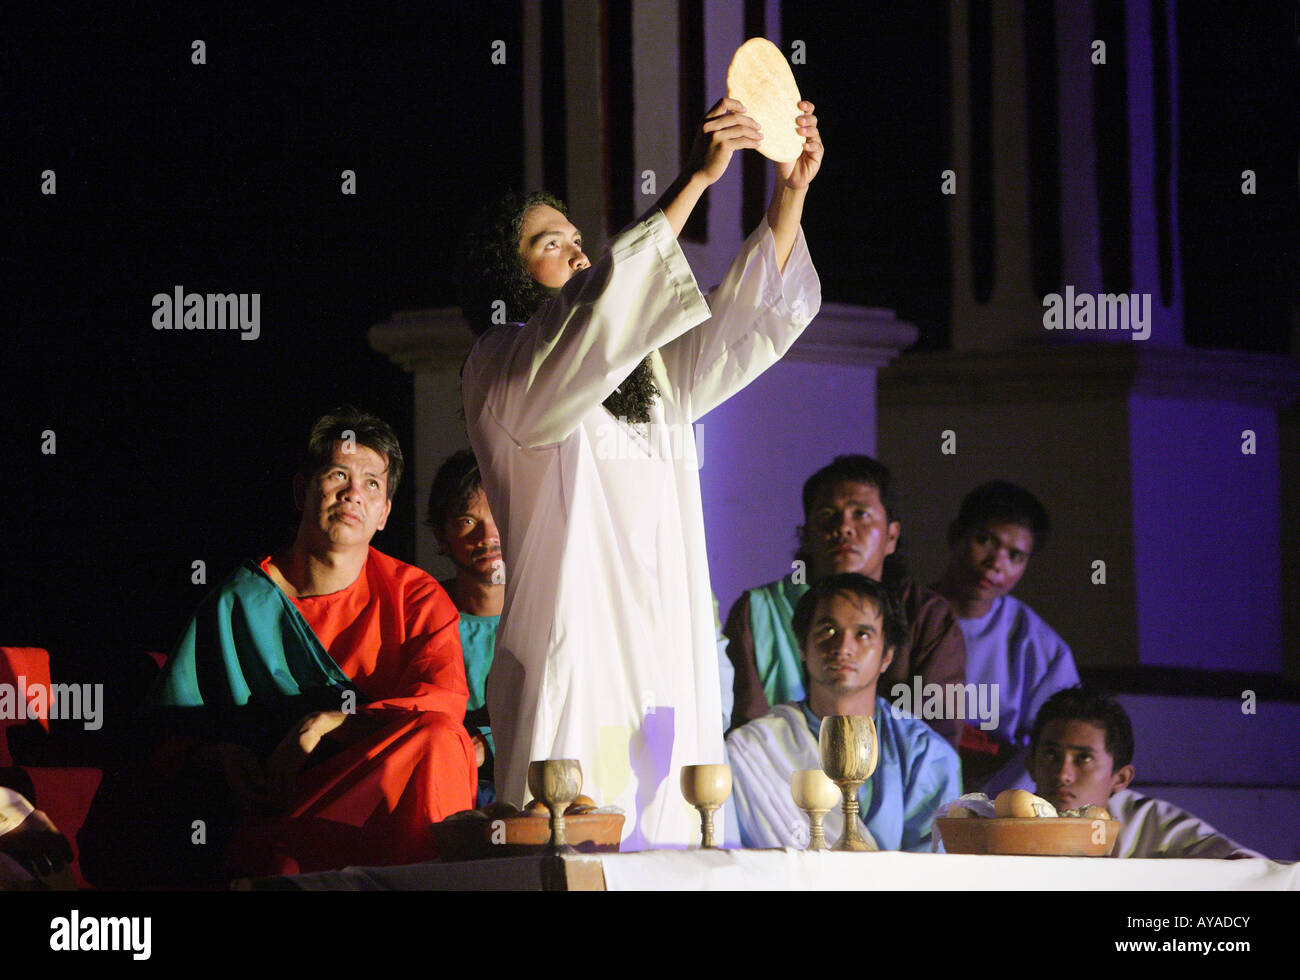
(847, 531)
(989, 559)
(1071, 767)
(471, 541)
(550, 246)
(346, 500)
(845, 650)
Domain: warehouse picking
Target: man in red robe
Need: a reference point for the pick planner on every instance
(370, 643)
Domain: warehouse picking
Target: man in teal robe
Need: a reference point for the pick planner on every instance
(849, 526)
(312, 713)
(462, 522)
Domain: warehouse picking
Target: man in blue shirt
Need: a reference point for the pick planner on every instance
(848, 627)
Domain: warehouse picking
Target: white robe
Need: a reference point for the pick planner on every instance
(606, 651)
(918, 772)
(1155, 828)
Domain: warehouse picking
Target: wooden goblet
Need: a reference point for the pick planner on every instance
(848, 752)
(706, 787)
(557, 783)
(815, 795)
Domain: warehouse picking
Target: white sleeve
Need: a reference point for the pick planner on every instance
(757, 313)
(538, 380)
(14, 809)
(1155, 828)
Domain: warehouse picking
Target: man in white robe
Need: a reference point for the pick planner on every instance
(606, 652)
(1082, 752)
(848, 628)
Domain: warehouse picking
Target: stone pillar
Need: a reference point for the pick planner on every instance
(1147, 188)
(584, 59)
(1011, 312)
(1080, 222)
(432, 345)
(656, 71)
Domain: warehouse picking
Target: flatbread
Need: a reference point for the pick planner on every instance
(761, 79)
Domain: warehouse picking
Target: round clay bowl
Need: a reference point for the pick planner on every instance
(1052, 836)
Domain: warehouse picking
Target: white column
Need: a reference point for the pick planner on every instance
(586, 137)
(432, 345)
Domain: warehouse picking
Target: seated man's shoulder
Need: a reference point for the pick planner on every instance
(1029, 627)
(916, 731)
(412, 583)
(782, 722)
(922, 603)
(782, 586)
(1132, 806)
(1154, 827)
(248, 582)
(914, 738)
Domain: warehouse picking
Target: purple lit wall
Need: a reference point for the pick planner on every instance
(759, 447)
(1206, 521)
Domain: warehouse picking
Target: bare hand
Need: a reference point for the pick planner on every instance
(480, 749)
(724, 131)
(291, 754)
(798, 174)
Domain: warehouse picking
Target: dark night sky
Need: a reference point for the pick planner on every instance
(174, 447)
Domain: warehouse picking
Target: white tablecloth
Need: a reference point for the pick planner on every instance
(792, 870)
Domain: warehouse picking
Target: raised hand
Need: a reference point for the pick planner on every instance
(798, 174)
(725, 130)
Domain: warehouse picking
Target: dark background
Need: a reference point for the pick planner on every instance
(179, 446)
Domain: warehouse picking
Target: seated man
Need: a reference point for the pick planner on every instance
(999, 528)
(326, 681)
(1082, 753)
(462, 522)
(849, 526)
(848, 627)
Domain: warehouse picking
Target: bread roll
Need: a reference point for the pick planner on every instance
(1022, 803)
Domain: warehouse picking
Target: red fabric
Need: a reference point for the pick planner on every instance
(33, 665)
(975, 741)
(64, 793)
(396, 633)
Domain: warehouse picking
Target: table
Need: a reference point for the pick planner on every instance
(783, 869)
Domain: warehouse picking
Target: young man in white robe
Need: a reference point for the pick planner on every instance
(1082, 754)
(848, 627)
(582, 421)
(1009, 647)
